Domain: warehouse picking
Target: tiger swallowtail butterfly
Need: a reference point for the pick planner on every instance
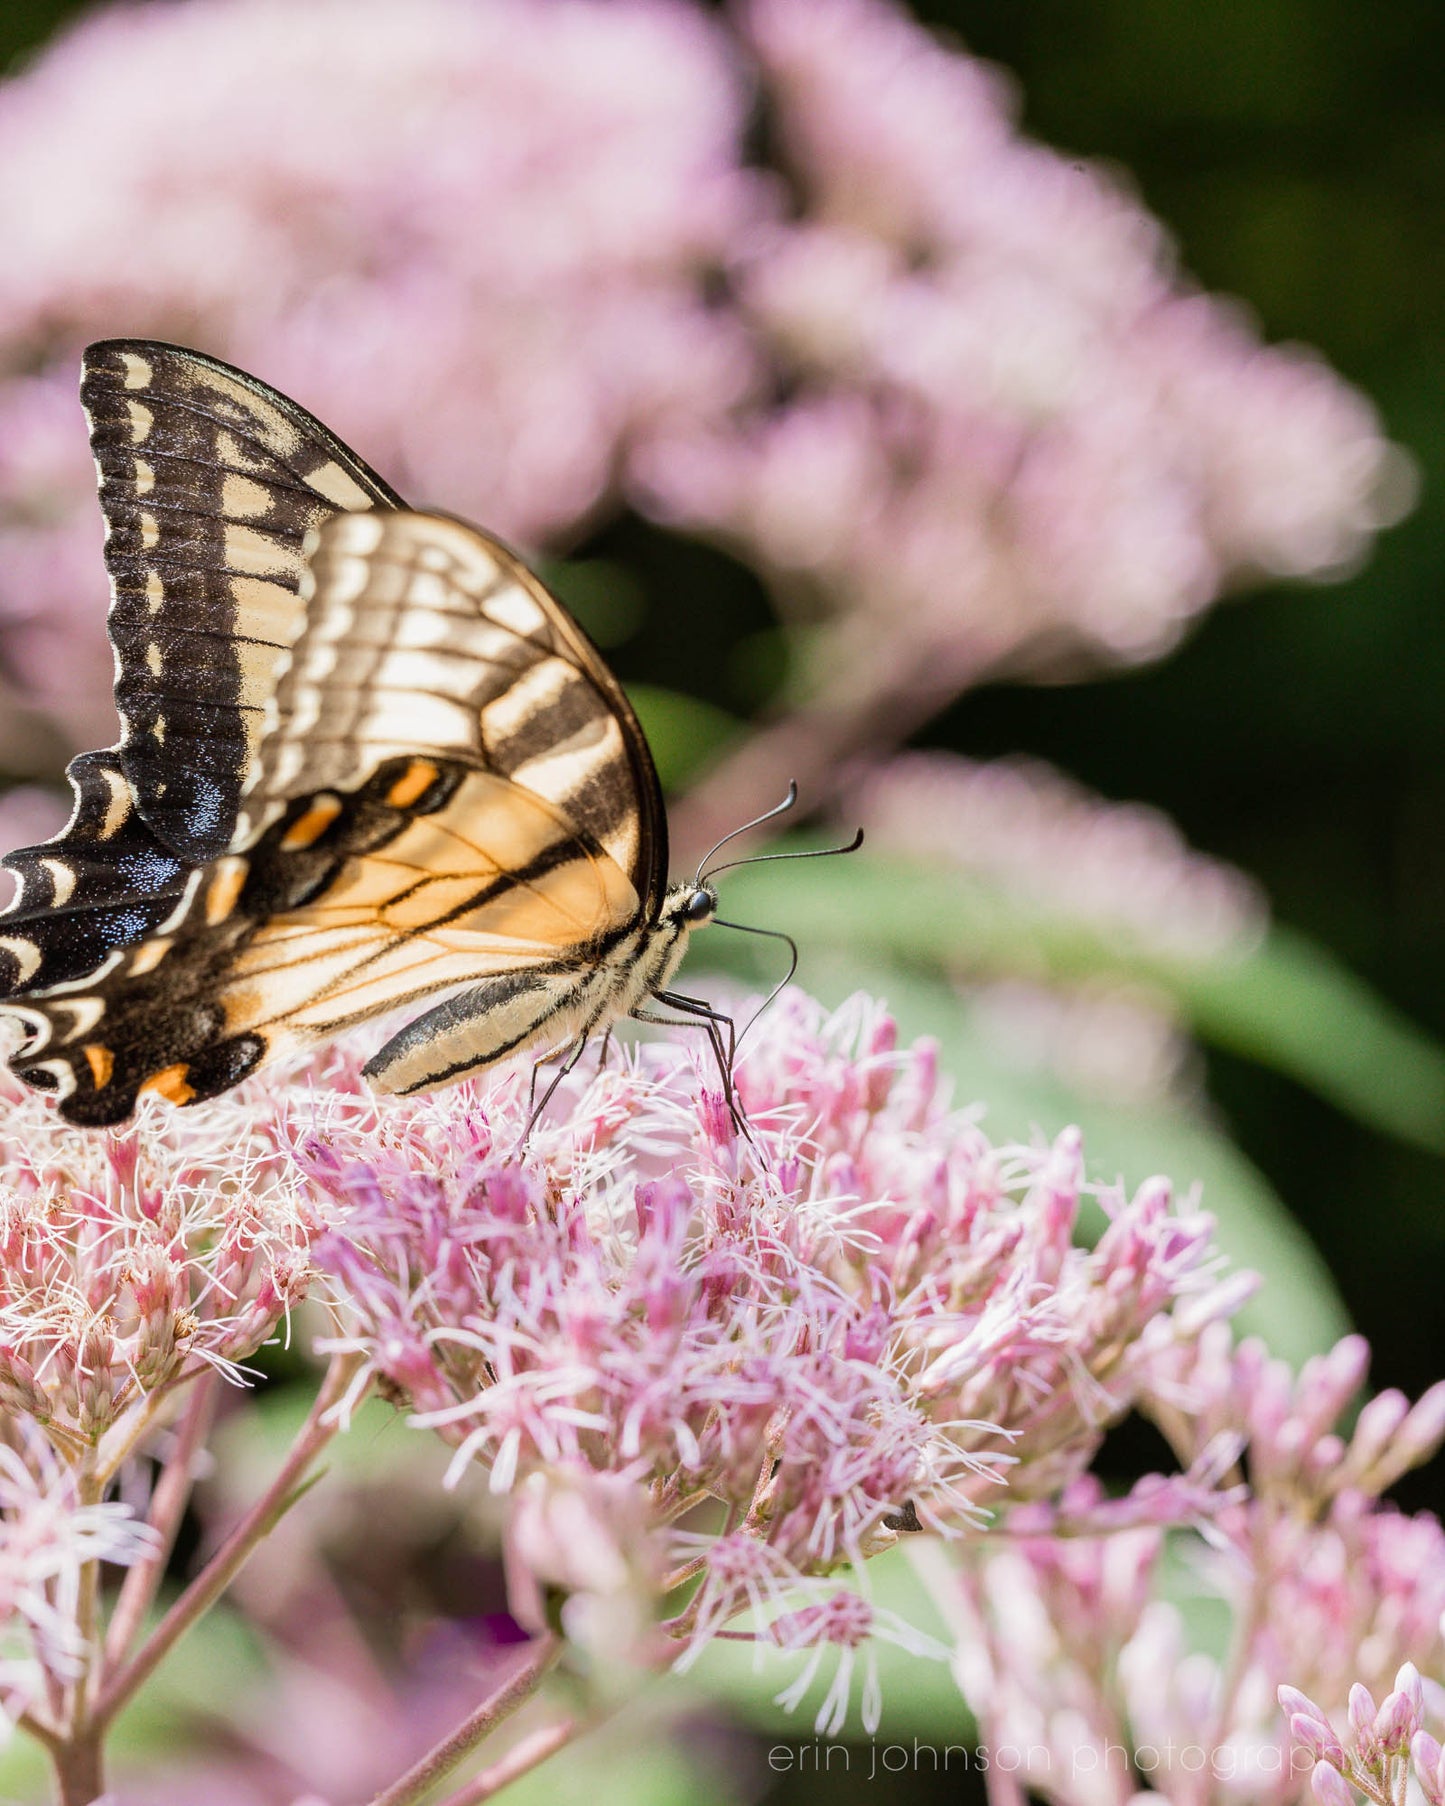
(366, 760)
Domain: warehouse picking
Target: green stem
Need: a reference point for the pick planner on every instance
(518, 1761)
(228, 1560)
(443, 1757)
(168, 1506)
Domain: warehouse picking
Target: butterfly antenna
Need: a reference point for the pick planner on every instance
(781, 808)
(772, 934)
(801, 853)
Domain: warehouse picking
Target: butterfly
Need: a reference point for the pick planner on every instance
(367, 760)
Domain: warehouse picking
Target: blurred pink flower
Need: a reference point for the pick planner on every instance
(28, 815)
(1035, 848)
(471, 238)
(47, 1536)
(515, 254)
(1055, 848)
(1010, 433)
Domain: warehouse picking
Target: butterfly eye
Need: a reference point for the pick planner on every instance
(700, 906)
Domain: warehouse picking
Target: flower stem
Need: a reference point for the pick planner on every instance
(168, 1505)
(519, 1687)
(228, 1560)
(79, 1777)
(518, 1761)
(81, 1732)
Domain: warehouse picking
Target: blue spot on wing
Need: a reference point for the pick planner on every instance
(120, 927)
(208, 806)
(148, 870)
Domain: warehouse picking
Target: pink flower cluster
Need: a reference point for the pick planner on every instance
(711, 1375)
(132, 1259)
(1008, 434)
(133, 1265)
(1381, 1741)
(1078, 1650)
(746, 1361)
(936, 381)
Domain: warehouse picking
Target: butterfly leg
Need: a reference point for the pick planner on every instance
(574, 1054)
(697, 1009)
(537, 1065)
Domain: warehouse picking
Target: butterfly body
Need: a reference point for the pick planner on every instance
(368, 762)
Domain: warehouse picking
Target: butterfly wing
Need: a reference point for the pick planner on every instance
(454, 788)
(209, 483)
(427, 637)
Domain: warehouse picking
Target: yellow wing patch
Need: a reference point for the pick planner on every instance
(495, 881)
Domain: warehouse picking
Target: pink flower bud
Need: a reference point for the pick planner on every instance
(1330, 1787)
(1328, 1382)
(718, 1128)
(1299, 1705)
(1399, 1716)
(1361, 1707)
(1424, 1429)
(1429, 1760)
(1318, 1739)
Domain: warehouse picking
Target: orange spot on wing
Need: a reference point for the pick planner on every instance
(224, 888)
(101, 1062)
(308, 828)
(414, 782)
(149, 955)
(171, 1084)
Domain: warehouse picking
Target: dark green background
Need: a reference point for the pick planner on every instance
(1297, 150)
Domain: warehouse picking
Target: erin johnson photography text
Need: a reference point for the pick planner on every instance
(875, 1761)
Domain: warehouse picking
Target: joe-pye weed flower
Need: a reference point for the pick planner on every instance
(744, 1364)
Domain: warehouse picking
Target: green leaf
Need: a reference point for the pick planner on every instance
(1295, 1007)
(684, 733)
(1289, 1004)
(606, 598)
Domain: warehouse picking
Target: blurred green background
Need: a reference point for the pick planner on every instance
(1297, 150)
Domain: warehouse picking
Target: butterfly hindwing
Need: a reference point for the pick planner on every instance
(155, 1015)
(104, 883)
(209, 482)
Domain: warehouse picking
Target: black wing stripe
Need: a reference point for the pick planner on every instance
(172, 433)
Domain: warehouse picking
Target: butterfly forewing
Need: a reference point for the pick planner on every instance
(209, 483)
(427, 637)
(451, 789)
